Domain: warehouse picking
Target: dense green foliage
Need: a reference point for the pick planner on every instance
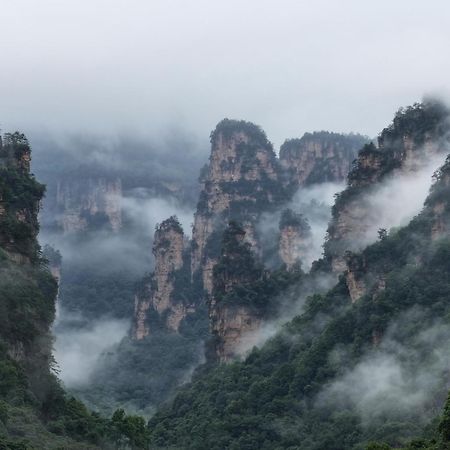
(141, 375)
(299, 391)
(417, 121)
(136, 375)
(20, 196)
(240, 280)
(237, 264)
(95, 291)
(282, 395)
(437, 436)
(34, 410)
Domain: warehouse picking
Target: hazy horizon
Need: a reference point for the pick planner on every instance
(116, 67)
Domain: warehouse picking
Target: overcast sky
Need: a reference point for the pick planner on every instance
(289, 65)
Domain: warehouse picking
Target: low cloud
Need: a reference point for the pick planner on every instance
(78, 346)
(145, 210)
(399, 198)
(314, 203)
(401, 378)
(289, 304)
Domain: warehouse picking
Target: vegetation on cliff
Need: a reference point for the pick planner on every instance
(273, 399)
(320, 156)
(228, 127)
(240, 280)
(310, 386)
(35, 412)
(290, 218)
(415, 133)
(306, 387)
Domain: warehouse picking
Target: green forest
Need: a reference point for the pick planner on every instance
(340, 374)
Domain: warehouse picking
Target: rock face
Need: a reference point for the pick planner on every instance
(83, 204)
(355, 279)
(361, 280)
(415, 135)
(240, 182)
(243, 180)
(157, 297)
(231, 327)
(320, 157)
(295, 239)
(231, 318)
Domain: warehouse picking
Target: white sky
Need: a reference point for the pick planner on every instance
(289, 65)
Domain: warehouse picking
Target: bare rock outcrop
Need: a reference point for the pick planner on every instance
(233, 326)
(243, 180)
(95, 201)
(240, 182)
(156, 297)
(295, 240)
(320, 157)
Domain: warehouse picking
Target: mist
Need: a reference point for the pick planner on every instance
(173, 155)
(145, 66)
(101, 266)
(289, 305)
(398, 377)
(158, 178)
(79, 345)
(146, 211)
(398, 199)
(314, 203)
(393, 204)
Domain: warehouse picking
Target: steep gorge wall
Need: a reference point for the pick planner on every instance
(82, 204)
